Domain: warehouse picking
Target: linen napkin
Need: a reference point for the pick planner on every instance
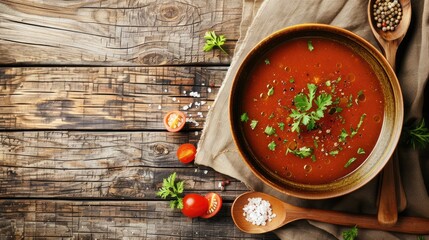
(216, 148)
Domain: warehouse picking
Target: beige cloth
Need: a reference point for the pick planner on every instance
(216, 148)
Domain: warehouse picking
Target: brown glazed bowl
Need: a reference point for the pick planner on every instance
(390, 130)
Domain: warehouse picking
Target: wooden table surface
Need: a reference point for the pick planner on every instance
(84, 86)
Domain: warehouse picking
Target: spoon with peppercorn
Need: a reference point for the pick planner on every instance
(257, 212)
(389, 21)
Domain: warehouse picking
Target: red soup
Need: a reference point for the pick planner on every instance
(312, 110)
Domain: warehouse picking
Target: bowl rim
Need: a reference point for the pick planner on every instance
(397, 116)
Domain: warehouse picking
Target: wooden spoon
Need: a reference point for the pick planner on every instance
(391, 182)
(286, 213)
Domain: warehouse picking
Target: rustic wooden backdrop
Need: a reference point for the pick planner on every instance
(84, 86)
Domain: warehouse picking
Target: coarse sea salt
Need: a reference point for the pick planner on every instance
(258, 211)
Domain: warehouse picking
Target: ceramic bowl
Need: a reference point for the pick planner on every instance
(391, 125)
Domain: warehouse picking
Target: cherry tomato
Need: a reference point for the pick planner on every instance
(194, 205)
(174, 121)
(186, 153)
(215, 204)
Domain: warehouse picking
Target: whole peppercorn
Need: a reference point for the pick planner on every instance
(387, 14)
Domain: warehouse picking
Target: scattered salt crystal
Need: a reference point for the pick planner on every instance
(194, 94)
(200, 114)
(165, 90)
(202, 102)
(184, 92)
(159, 107)
(206, 171)
(174, 99)
(190, 105)
(186, 107)
(191, 120)
(258, 211)
(209, 90)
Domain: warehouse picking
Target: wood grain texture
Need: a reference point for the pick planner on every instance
(131, 32)
(99, 165)
(105, 97)
(42, 219)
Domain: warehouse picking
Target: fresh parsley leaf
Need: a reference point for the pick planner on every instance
(343, 136)
(334, 152)
(213, 40)
(417, 136)
(301, 102)
(253, 124)
(244, 117)
(310, 45)
(272, 146)
(420, 238)
(360, 151)
(281, 125)
(349, 162)
(301, 152)
(313, 158)
(328, 83)
(171, 189)
(267, 61)
(304, 103)
(355, 131)
(350, 234)
(292, 80)
(270, 130)
(270, 91)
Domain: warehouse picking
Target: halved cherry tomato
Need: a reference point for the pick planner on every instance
(215, 204)
(186, 153)
(174, 121)
(194, 205)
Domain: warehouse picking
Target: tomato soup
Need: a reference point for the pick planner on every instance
(312, 110)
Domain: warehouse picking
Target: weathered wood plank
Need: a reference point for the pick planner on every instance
(102, 165)
(105, 97)
(131, 32)
(43, 219)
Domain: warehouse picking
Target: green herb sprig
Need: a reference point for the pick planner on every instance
(302, 152)
(213, 40)
(417, 136)
(303, 103)
(171, 189)
(350, 234)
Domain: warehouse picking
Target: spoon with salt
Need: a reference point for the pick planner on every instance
(286, 213)
(389, 40)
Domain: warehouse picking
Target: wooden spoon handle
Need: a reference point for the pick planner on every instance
(413, 225)
(387, 206)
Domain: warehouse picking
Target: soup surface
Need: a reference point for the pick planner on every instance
(312, 110)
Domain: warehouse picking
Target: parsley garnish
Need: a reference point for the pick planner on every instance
(267, 61)
(172, 190)
(272, 146)
(303, 103)
(310, 46)
(292, 80)
(244, 117)
(349, 162)
(418, 136)
(350, 234)
(212, 40)
(270, 130)
(253, 124)
(334, 152)
(343, 135)
(360, 151)
(354, 131)
(301, 152)
(270, 91)
(281, 125)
